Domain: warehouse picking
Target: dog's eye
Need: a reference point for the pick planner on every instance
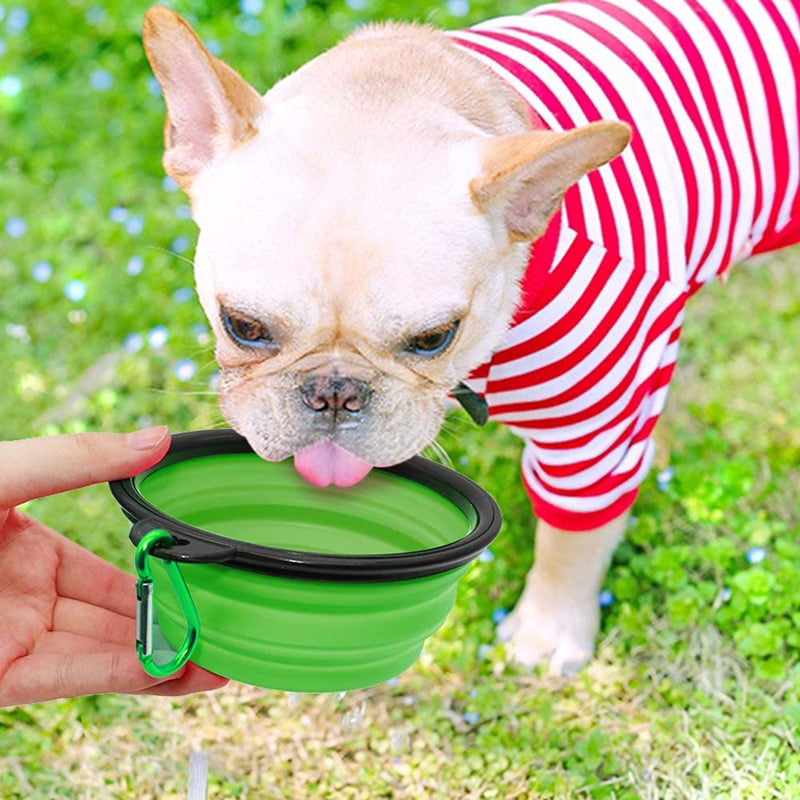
(434, 341)
(244, 330)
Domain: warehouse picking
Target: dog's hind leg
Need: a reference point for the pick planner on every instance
(558, 615)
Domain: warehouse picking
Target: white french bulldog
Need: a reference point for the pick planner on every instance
(364, 228)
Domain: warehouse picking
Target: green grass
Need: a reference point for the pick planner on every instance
(692, 694)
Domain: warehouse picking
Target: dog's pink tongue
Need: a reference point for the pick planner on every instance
(325, 463)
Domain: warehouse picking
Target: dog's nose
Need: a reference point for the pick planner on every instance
(325, 393)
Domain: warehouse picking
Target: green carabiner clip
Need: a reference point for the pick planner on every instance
(144, 608)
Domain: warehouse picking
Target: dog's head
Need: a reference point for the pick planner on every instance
(362, 235)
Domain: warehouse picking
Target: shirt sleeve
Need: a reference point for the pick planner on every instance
(583, 376)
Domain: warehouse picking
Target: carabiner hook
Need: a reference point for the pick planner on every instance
(144, 607)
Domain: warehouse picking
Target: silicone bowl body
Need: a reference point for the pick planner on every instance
(301, 588)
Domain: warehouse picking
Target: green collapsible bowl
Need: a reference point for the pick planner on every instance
(259, 576)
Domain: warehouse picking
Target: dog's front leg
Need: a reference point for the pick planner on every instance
(558, 615)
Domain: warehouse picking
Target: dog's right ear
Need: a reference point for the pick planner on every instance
(525, 175)
(210, 107)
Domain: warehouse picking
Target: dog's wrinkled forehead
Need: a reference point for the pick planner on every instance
(277, 222)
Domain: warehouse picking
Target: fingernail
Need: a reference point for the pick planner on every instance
(147, 438)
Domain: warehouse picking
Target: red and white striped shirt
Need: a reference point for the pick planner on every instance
(712, 174)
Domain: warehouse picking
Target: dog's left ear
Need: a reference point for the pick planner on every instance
(210, 107)
(525, 175)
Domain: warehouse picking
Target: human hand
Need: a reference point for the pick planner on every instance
(68, 618)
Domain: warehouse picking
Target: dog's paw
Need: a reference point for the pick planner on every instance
(533, 635)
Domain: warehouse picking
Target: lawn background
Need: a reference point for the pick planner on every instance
(695, 689)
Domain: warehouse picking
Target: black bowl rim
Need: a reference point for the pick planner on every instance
(195, 545)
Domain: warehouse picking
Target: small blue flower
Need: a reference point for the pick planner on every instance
(133, 343)
(169, 185)
(725, 594)
(154, 87)
(101, 80)
(16, 227)
(183, 211)
(484, 651)
(251, 26)
(18, 332)
(10, 86)
(486, 556)
(180, 244)
(498, 615)
(213, 47)
(458, 8)
(471, 717)
(251, 7)
(393, 681)
(183, 295)
(17, 21)
(664, 477)
(201, 332)
(42, 271)
(213, 380)
(95, 15)
(75, 290)
(605, 598)
(158, 336)
(755, 555)
(135, 265)
(463, 461)
(357, 5)
(134, 225)
(185, 369)
(473, 693)
(118, 213)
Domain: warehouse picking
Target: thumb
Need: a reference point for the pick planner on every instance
(31, 468)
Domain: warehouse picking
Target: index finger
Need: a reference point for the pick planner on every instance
(31, 468)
